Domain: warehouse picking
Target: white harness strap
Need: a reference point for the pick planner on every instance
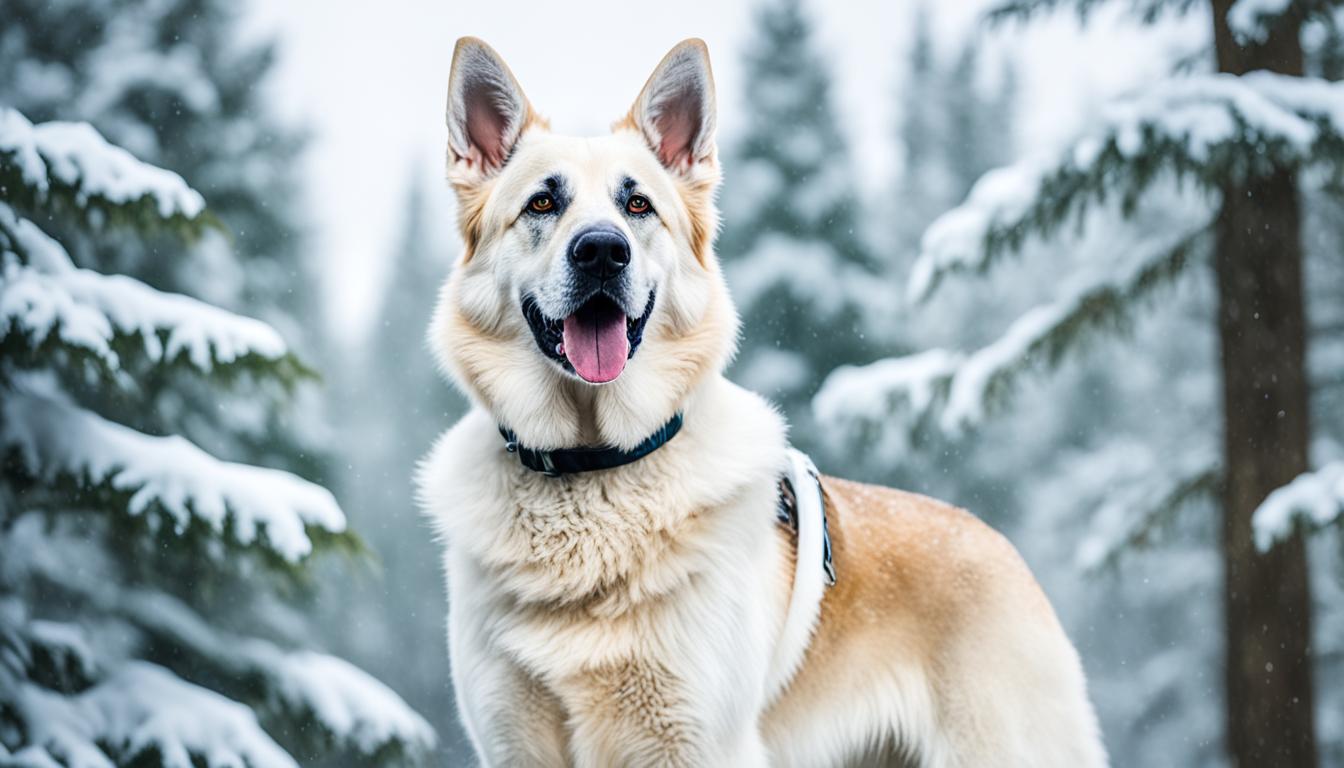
(809, 575)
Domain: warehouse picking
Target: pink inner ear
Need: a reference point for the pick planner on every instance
(675, 148)
(678, 121)
(485, 130)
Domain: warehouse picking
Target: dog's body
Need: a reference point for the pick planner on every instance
(632, 616)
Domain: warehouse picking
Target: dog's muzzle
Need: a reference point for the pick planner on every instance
(595, 337)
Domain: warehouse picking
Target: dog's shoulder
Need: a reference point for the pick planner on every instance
(920, 556)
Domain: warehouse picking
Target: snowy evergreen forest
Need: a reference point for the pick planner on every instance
(1126, 352)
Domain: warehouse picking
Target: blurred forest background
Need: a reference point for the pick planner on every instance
(1047, 347)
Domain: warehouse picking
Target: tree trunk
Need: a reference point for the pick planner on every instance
(1262, 330)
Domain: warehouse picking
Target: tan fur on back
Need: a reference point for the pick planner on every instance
(924, 589)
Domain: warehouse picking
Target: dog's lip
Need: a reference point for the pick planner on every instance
(548, 332)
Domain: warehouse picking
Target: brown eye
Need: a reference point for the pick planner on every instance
(637, 204)
(542, 203)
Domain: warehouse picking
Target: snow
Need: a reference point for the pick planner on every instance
(870, 393)
(1314, 498)
(77, 155)
(956, 240)
(1286, 116)
(810, 271)
(54, 438)
(353, 707)
(66, 640)
(1143, 489)
(1120, 264)
(89, 310)
(770, 371)
(971, 385)
(1250, 20)
(143, 707)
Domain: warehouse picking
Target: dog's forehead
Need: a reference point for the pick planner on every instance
(586, 163)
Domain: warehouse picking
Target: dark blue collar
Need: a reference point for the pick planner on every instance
(569, 461)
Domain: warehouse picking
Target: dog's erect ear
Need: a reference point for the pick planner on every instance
(676, 111)
(487, 110)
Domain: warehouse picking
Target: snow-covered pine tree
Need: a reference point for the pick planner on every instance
(99, 666)
(801, 275)
(180, 84)
(1200, 168)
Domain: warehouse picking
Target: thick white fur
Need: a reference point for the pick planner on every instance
(634, 616)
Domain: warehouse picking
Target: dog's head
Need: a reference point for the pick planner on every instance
(588, 302)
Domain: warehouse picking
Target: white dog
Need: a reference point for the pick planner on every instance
(622, 591)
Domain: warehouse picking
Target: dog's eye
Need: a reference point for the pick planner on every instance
(638, 204)
(541, 203)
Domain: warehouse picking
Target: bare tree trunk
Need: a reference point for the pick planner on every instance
(1262, 329)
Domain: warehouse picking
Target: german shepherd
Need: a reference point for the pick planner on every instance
(639, 614)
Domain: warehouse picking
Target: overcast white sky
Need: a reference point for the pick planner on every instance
(369, 79)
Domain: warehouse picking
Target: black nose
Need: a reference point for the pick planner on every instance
(601, 252)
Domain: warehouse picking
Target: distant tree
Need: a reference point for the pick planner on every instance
(394, 404)
(953, 128)
(953, 125)
(101, 662)
(1199, 168)
(801, 275)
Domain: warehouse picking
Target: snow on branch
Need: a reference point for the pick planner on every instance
(1135, 515)
(355, 710)
(968, 386)
(1208, 128)
(302, 691)
(55, 442)
(1252, 21)
(73, 163)
(855, 395)
(45, 299)
(1147, 11)
(139, 711)
(1313, 499)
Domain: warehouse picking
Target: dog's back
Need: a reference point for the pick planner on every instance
(937, 639)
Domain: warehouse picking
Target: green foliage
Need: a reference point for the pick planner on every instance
(1022, 11)
(156, 530)
(1152, 520)
(959, 391)
(60, 199)
(1115, 171)
(23, 351)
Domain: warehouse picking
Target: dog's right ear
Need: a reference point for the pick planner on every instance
(487, 111)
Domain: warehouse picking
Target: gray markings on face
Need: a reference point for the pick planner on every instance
(540, 224)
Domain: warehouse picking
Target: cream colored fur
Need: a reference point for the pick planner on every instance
(632, 617)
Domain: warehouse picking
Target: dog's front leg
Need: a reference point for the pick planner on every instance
(639, 714)
(511, 718)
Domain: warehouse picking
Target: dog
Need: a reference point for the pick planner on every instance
(621, 590)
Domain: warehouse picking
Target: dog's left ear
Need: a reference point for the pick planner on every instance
(676, 111)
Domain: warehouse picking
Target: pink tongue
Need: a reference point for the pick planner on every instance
(596, 344)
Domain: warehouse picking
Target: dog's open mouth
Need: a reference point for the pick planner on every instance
(594, 342)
